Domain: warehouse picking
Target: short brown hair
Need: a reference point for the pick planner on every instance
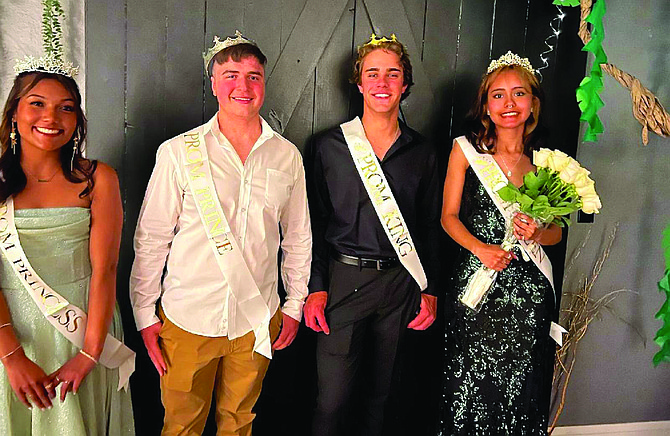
(389, 46)
(237, 53)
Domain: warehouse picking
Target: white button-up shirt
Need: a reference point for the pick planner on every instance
(258, 197)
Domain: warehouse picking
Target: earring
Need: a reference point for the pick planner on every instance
(12, 137)
(488, 112)
(75, 147)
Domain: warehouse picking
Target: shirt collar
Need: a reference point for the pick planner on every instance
(212, 126)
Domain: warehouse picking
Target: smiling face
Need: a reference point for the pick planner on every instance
(239, 87)
(509, 101)
(46, 116)
(381, 81)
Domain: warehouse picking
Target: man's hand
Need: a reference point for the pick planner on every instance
(150, 338)
(427, 314)
(315, 316)
(289, 330)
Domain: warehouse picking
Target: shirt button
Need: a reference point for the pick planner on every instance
(244, 209)
(246, 182)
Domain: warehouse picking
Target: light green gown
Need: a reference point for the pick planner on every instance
(56, 243)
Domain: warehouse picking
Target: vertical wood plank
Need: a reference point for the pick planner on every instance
(473, 56)
(300, 126)
(509, 28)
(145, 118)
(439, 59)
(185, 83)
(333, 89)
(105, 81)
(261, 25)
(290, 11)
(416, 15)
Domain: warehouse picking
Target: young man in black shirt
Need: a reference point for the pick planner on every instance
(375, 199)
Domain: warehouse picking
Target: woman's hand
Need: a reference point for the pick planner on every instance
(28, 380)
(525, 227)
(70, 375)
(493, 256)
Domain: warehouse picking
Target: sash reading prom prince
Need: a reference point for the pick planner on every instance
(492, 178)
(67, 318)
(223, 243)
(382, 199)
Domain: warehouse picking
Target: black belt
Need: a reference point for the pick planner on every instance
(361, 262)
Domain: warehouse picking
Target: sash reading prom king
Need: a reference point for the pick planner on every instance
(224, 243)
(493, 178)
(67, 318)
(382, 199)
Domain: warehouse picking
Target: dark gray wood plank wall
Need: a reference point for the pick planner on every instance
(145, 84)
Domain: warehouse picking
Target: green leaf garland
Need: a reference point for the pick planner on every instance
(589, 89)
(662, 337)
(51, 28)
(566, 2)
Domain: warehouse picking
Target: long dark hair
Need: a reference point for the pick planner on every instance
(481, 131)
(12, 178)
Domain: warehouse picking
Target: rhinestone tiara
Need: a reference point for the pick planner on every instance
(510, 58)
(47, 64)
(52, 61)
(222, 45)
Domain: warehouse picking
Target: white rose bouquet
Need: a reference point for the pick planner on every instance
(558, 187)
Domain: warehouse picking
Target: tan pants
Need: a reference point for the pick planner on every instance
(199, 366)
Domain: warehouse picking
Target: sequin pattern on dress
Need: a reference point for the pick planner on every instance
(498, 362)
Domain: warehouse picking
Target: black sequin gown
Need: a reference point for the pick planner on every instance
(498, 362)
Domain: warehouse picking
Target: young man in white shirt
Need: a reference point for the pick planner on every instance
(211, 218)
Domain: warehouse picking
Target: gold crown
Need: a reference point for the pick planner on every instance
(222, 45)
(510, 58)
(376, 41)
(47, 64)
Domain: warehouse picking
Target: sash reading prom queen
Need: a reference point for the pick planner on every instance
(382, 199)
(67, 318)
(493, 178)
(224, 243)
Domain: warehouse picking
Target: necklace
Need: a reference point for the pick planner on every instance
(509, 172)
(47, 180)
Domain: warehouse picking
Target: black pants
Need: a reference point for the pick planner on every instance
(367, 312)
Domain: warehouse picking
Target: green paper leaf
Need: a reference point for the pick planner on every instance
(566, 2)
(662, 337)
(588, 91)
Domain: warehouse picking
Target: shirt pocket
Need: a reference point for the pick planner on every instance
(278, 185)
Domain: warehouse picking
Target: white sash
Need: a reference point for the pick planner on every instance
(382, 199)
(224, 243)
(67, 318)
(493, 179)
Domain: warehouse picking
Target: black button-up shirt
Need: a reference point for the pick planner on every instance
(343, 217)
